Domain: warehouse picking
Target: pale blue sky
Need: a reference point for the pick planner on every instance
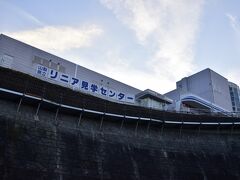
(143, 43)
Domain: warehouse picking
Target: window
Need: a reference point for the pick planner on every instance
(6, 61)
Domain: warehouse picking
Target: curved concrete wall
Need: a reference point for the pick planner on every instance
(58, 146)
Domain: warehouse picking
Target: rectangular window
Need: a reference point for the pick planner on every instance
(6, 61)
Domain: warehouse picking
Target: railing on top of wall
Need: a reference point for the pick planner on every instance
(17, 81)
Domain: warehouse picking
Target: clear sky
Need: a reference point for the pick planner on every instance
(143, 43)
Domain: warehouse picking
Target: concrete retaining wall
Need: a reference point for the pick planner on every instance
(55, 147)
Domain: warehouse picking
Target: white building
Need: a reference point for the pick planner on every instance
(21, 57)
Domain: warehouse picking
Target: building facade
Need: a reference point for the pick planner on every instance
(235, 96)
(205, 90)
(21, 57)
(151, 99)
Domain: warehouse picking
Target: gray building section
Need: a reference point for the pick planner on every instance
(207, 87)
(235, 96)
(151, 99)
(221, 94)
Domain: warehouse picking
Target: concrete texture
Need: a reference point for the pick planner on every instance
(57, 148)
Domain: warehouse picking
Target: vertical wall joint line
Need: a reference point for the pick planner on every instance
(180, 132)
(100, 128)
(79, 119)
(162, 128)
(122, 123)
(19, 104)
(56, 116)
(136, 128)
(232, 128)
(148, 127)
(199, 129)
(38, 108)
